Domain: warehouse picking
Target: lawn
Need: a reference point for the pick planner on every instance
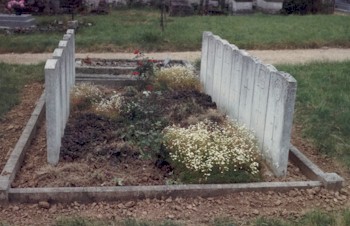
(125, 30)
(314, 218)
(323, 105)
(12, 79)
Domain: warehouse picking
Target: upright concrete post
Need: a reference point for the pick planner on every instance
(69, 49)
(53, 115)
(210, 66)
(204, 56)
(66, 77)
(236, 81)
(226, 78)
(279, 118)
(72, 33)
(260, 98)
(247, 89)
(58, 54)
(219, 52)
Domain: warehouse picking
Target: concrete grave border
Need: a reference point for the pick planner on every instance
(317, 178)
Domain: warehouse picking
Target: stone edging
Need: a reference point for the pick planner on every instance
(15, 160)
(92, 194)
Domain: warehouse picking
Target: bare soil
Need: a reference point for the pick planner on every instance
(93, 154)
(295, 56)
(242, 207)
(13, 123)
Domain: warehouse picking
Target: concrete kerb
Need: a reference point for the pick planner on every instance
(92, 194)
(127, 193)
(15, 160)
(112, 76)
(330, 181)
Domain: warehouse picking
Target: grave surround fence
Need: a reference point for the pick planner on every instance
(59, 79)
(256, 95)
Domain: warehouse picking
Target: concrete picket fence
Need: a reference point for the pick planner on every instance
(59, 79)
(255, 94)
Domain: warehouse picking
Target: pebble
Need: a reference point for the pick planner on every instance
(130, 204)
(44, 205)
(256, 212)
(278, 202)
(177, 207)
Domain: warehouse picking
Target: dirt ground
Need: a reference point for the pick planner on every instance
(267, 56)
(241, 207)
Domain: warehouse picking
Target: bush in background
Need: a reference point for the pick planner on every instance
(303, 7)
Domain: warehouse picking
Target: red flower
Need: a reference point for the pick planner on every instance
(140, 63)
(136, 51)
(136, 73)
(149, 88)
(152, 61)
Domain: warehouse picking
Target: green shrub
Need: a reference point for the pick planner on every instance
(307, 6)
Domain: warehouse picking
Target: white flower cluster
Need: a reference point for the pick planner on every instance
(87, 90)
(178, 77)
(110, 104)
(206, 146)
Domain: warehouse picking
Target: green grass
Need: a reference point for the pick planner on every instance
(313, 218)
(77, 221)
(12, 79)
(125, 30)
(323, 105)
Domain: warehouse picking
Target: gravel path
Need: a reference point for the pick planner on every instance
(267, 56)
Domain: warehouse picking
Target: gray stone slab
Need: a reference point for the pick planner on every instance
(259, 104)
(218, 64)
(204, 56)
(278, 124)
(235, 84)
(14, 21)
(210, 66)
(124, 193)
(53, 113)
(226, 78)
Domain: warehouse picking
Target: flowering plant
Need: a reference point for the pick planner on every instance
(177, 78)
(208, 149)
(16, 4)
(145, 67)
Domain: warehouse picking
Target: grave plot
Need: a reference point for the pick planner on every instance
(124, 143)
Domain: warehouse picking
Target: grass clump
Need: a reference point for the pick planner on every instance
(79, 221)
(177, 78)
(323, 105)
(12, 80)
(208, 151)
